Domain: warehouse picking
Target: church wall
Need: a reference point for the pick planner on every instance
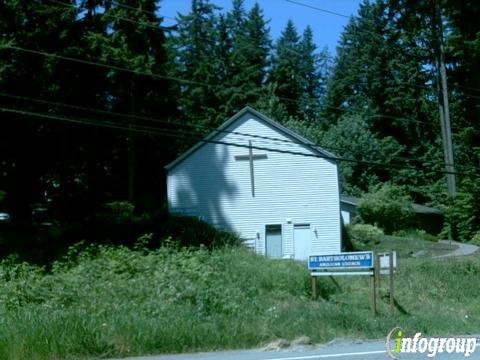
(289, 189)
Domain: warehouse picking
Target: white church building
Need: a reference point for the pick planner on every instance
(255, 177)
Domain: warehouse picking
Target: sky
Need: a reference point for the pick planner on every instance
(326, 27)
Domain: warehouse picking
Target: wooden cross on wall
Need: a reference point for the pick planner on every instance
(251, 157)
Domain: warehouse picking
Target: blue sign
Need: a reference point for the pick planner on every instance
(349, 260)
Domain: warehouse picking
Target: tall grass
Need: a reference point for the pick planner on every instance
(108, 302)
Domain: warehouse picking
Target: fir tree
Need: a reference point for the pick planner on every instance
(286, 71)
(247, 61)
(197, 64)
(315, 72)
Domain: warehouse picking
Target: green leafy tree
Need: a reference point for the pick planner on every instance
(388, 207)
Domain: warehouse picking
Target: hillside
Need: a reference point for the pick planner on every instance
(106, 302)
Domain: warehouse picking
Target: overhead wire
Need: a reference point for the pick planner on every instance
(165, 77)
(171, 78)
(379, 35)
(114, 16)
(195, 129)
(175, 133)
(398, 82)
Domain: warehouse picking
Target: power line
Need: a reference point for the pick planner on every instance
(108, 112)
(158, 27)
(125, 6)
(247, 47)
(195, 128)
(378, 35)
(118, 17)
(166, 77)
(320, 9)
(175, 134)
(113, 67)
(155, 26)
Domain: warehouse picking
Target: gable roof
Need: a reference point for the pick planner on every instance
(417, 208)
(247, 109)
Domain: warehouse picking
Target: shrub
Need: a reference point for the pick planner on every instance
(364, 235)
(476, 239)
(387, 207)
(121, 223)
(461, 216)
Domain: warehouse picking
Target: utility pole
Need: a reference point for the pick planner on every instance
(443, 106)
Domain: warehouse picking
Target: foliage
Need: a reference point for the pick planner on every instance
(416, 234)
(364, 236)
(476, 239)
(388, 207)
(460, 214)
(121, 224)
(374, 105)
(298, 73)
(133, 302)
(106, 302)
(119, 212)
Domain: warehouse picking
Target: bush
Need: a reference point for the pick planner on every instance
(112, 302)
(476, 239)
(387, 207)
(364, 235)
(461, 216)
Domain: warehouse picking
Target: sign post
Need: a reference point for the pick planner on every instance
(392, 300)
(387, 265)
(374, 295)
(344, 264)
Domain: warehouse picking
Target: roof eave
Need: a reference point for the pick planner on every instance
(325, 154)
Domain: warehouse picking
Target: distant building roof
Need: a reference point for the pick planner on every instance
(417, 208)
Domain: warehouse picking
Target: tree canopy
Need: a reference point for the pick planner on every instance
(98, 95)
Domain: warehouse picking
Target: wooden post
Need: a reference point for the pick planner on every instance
(392, 300)
(374, 295)
(314, 288)
(378, 273)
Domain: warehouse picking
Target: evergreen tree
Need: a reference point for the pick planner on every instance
(381, 73)
(257, 45)
(286, 70)
(35, 26)
(247, 61)
(315, 72)
(136, 42)
(197, 64)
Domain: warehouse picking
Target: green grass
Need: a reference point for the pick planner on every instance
(411, 245)
(113, 302)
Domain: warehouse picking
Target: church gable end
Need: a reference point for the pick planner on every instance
(257, 178)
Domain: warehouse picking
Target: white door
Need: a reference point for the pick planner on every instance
(302, 239)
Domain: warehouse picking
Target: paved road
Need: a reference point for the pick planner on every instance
(462, 250)
(370, 350)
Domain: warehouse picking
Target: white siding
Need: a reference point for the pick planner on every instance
(211, 184)
(346, 217)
